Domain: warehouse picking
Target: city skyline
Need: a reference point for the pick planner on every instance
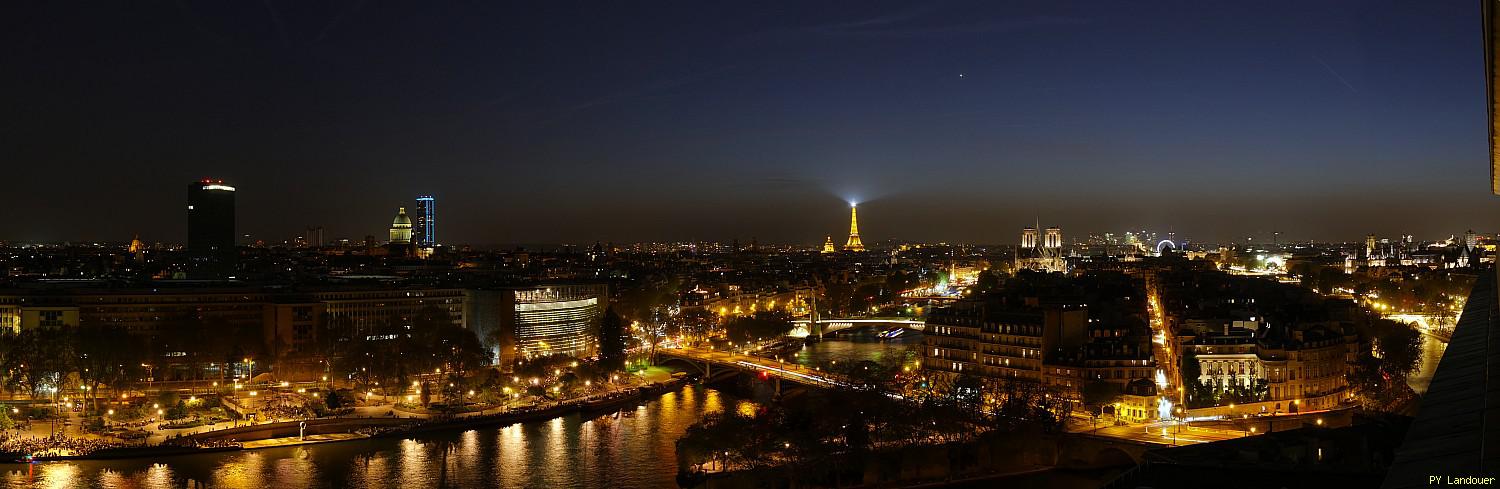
(423, 222)
(877, 243)
(945, 122)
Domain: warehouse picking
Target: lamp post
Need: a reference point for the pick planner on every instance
(1180, 420)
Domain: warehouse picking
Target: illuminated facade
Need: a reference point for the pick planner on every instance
(970, 337)
(1055, 345)
(1303, 367)
(10, 314)
(550, 320)
(1052, 239)
(1028, 237)
(211, 249)
(401, 228)
(1042, 252)
(853, 244)
(1384, 253)
(828, 245)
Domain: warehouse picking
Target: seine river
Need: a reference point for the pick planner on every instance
(1432, 353)
(635, 449)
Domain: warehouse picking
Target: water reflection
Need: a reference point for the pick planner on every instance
(1432, 353)
(635, 448)
(856, 345)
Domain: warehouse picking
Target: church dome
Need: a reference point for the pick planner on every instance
(401, 219)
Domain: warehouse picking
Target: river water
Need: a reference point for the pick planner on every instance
(634, 449)
(1432, 353)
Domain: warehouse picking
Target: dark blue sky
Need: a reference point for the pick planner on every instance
(624, 121)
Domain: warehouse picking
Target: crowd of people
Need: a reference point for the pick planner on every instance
(285, 412)
(216, 443)
(56, 445)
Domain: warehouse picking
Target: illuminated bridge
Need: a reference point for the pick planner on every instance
(712, 363)
(802, 328)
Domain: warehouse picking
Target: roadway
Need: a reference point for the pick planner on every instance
(1169, 380)
(1159, 432)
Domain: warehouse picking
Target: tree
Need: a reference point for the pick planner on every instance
(837, 295)
(988, 281)
(7, 366)
(1097, 394)
(456, 350)
(762, 325)
(1256, 391)
(612, 340)
(1330, 278)
(1197, 394)
(107, 356)
(332, 400)
(40, 359)
(1400, 347)
(638, 300)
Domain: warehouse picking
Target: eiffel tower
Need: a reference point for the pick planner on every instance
(853, 244)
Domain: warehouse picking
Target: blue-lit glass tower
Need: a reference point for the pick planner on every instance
(425, 230)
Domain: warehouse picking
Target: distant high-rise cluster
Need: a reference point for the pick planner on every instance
(211, 248)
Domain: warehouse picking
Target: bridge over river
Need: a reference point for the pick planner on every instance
(802, 328)
(712, 363)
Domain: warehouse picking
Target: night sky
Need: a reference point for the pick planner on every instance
(545, 122)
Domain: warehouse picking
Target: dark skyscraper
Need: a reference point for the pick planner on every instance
(211, 248)
(425, 231)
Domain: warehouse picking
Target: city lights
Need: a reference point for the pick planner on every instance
(1109, 245)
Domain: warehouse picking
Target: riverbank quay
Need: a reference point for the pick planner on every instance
(348, 428)
(990, 457)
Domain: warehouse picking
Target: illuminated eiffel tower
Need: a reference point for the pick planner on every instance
(853, 244)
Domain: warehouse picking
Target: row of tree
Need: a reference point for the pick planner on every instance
(45, 363)
(426, 348)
